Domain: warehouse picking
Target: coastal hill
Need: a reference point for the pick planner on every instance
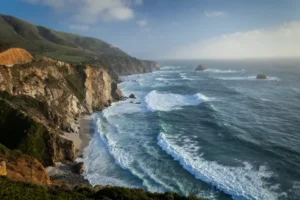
(41, 41)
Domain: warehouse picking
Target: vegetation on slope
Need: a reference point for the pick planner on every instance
(24, 191)
(18, 131)
(42, 41)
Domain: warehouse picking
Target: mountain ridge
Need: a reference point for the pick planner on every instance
(37, 40)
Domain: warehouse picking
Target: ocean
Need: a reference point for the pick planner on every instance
(218, 134)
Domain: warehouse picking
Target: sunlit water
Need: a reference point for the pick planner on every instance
(219, 134)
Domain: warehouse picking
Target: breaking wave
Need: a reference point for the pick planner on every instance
(223, 71)
(156, 101)
(240, 182)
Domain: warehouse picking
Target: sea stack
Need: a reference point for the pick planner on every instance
(200, 68)
(261, 76)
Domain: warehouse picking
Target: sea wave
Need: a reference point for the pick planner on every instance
(249, 78)
(223, 71)
(124, 107)
(110, 137)
(240, 182)
(170, 67)
(156, 101)
(185, 77)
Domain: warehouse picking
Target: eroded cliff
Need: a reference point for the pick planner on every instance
(42, 100)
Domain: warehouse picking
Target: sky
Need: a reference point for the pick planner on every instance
(175, 29)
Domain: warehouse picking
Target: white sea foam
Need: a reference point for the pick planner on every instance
(124, 107)
(170, 67)
(223, 71)
(185, 77)
(109, 138)
(156, 101)
(249, 78)
(240, 182)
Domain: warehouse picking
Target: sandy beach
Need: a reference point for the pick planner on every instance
(64, 172)
(82, 139)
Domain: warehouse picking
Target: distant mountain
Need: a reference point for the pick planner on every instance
(43, 41)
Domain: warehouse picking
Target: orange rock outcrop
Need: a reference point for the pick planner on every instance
(15, 56)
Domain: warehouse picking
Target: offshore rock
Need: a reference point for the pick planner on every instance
(200, 68)
(261, 76)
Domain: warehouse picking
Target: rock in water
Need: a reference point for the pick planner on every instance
(261, 76)
(132, 96)
(201, 68)
(78, 168)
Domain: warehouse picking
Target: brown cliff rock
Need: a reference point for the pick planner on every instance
(15, 56)
(21, 167)
(3, 171)
(48, 97)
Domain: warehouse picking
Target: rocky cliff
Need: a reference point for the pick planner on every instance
(43, 99)
(20, 167)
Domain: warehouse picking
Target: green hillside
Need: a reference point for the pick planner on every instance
(42, 41)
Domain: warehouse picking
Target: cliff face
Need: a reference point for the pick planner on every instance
(20, 167)
(41, 100)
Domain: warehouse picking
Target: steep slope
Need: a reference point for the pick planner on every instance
(125, 65)
(40, 40)
(15, 56)
(46, 98)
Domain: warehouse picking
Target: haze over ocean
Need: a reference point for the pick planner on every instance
(219, 133)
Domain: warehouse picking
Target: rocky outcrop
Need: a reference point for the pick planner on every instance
(20, 167)
(132, 96)
(3, 171)
(125, 65)
(14, 56)
(200, 68)
(101, 90)
(46, 98)
(261, 76)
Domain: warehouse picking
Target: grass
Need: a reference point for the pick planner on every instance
(42, 41)
(24, 191)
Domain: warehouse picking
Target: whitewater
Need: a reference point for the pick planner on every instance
(218, 134)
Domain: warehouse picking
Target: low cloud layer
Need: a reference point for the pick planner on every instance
(279, 42)
(214, 13)
(91, 11)
(142, 23)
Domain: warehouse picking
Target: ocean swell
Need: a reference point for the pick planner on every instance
(240, 182)
(156, 101)
(223, 71)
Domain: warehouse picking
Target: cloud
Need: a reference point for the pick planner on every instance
(214, 13)
(92, 11)
(280, 42)
(79, 27)
(142, 23)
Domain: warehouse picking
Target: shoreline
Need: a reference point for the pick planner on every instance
(71, 173)
(82, 139)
